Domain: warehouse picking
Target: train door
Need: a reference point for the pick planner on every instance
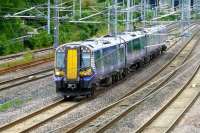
(72, 64)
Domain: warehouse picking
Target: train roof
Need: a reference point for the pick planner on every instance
(108, 41)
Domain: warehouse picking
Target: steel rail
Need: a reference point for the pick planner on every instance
(96, 114)
(42, 111)
(33, 127)
(25, 79)
(15, 122)
(21, 54)
(139, 102)
(26, 65)
(157, 114)
(25, 118)
(26, 76)
(152, 92)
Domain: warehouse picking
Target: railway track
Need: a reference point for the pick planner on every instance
(122, 107)
(179, 38)
(18, 125)
(26, 65)
(14, 56)
(7, 84)
(41, 116)
(174, 110)
(108, 119)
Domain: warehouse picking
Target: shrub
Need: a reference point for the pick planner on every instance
(87, 3)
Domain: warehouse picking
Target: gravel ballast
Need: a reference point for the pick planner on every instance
(42, 92)
(111, 95)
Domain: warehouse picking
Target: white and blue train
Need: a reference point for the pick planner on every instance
(82, 66)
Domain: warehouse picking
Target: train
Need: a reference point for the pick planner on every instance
(81, 67)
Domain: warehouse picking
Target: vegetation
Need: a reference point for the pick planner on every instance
(27, 58)
(12, 103)
(13, 28)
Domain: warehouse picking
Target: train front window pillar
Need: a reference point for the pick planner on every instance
(85, 60)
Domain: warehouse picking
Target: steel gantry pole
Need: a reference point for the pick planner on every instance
(109, 17)
(196, 6)
(143, 11)
(132, 10)
(80, 6)
(56, 24)
(74, 9)
(128, 16)
(156, 11)
(173, 7)
(185, 15)
(116, 19)
(48, 17)
(113, 27)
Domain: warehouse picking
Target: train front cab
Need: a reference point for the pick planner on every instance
(73, 72)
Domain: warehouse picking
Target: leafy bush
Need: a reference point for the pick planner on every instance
(87, 3)
(13, 28)
(28, 56)
(39, 41)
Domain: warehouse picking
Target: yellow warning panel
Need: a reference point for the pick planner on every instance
(72, 64)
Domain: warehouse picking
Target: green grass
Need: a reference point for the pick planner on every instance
(13, 103)
(10, 104)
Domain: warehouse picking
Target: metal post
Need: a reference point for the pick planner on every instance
(128, 15)
(143, 11)
(74, 9)
(80, 12)
(155, 15)
(109, 17)
(172, 5)
(123, 3)
(56, 24)
(156, 11)
(196, 5)
(114, 18)
(185, 15)
(131, 21)
(48, 17)
(124, 14)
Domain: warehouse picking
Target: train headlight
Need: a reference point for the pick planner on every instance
(85, 73)
(59, 73)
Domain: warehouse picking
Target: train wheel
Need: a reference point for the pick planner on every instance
(138, 65)
(133, 67)
(58, 87)
(119, 76)
(93, 92)
(124, 73)
(151, 57)
(146, 60)
(113, 78)
(160, 52)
